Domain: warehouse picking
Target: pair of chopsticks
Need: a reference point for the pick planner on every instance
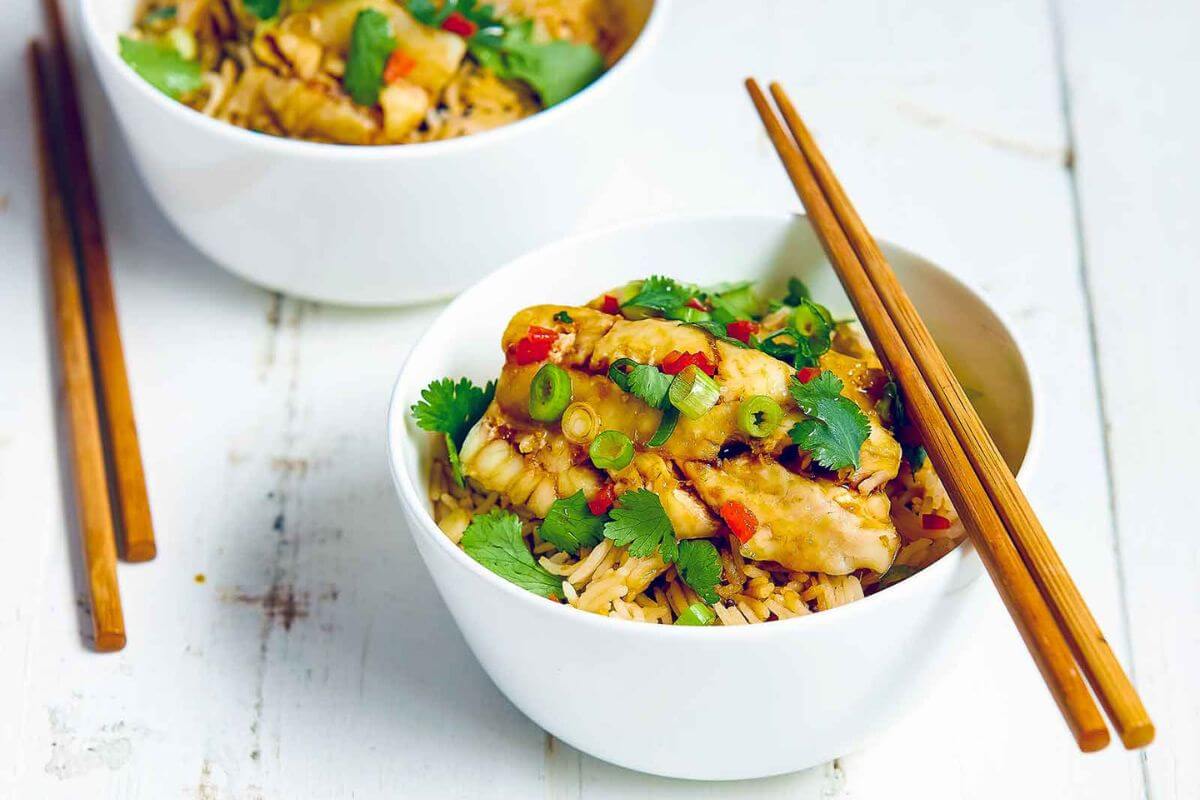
(1055, 622)
(103, 445)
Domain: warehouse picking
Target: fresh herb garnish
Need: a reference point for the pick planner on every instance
(797, 292)
(914, 454)
(897, 573)
(371, 43)
(263, 9)
(640, 522)
(494, 540)
(563, 317)
(893, 413)
(661, 294)
(451, 409)
(161, 66)
(788, 344)
(814, 322)
(644, 381)
(488, 28)
(555, 70)
(699, 565)
(569, 525)
(836, 428)
(160, 14)
(717, 330)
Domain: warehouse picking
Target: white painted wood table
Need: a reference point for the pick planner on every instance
(1045, 152)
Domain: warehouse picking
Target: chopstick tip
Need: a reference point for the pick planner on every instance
(1138, 736)
(110, 641)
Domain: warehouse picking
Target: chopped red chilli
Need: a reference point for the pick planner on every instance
(457, 23)
(676, 362)
(742, 330)
(535, 346)
(806, 374)
(934, 522)
(602, 500)
(697, 304)
(610, 305)
(740, 520)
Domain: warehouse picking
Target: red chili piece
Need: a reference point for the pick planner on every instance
(602, 500)
(610, 305)
(934, 522)
(399, 65)
(676, 362)
(740, 520)
(457, 23)
(696, 304)
(742, 330)
(535, 346)
(806, 374)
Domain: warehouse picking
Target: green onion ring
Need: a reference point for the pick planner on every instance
(611, 450)
(549, 393)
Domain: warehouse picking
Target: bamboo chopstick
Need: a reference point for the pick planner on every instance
(87, 450)
(1016, 587)
(1109, 681)
(129, 479)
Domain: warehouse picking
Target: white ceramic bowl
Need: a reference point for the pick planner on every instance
(652, 697)
(376, 226)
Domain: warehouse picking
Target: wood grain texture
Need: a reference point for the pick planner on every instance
(79, 391)
(1014, 583)
(1108, 679)
(1130, 70)
(278, 408)
(136, 528)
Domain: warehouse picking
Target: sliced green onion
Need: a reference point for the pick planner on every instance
(688, 314)
(580, 423)
(549, 393)
(740, 302)
(809, 319)
(665, 427)
(611, 450)
(696, 614)
(759, 416)
(183, 42)
(693, 392)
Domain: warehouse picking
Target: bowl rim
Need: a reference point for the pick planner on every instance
(646, 39)
(415, 496)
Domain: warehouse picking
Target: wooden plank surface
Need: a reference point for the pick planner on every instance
(1129, 68)
(315, 660)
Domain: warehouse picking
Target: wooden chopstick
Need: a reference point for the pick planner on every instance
(129, 478)
(87, 450)
(1109, 681)
(1016, 587)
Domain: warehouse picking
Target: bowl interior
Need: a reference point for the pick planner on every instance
(465, 339)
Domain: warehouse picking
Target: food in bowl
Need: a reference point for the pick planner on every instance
(372, 71)
(681, 455)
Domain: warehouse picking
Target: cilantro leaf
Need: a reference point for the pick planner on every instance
(897, 573)
(563, 317)
(914, 454)
(371, 43)
(555, 70)
(649, 384)
(717, 330)
(640, 522)
(484, 17)
(494, 540)
(263, 9)
(797, 292)
(569, 525)
(451, 409)
(661, 294)
(699, 565)
(788, 344)
(161, 67)
(836, 428)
